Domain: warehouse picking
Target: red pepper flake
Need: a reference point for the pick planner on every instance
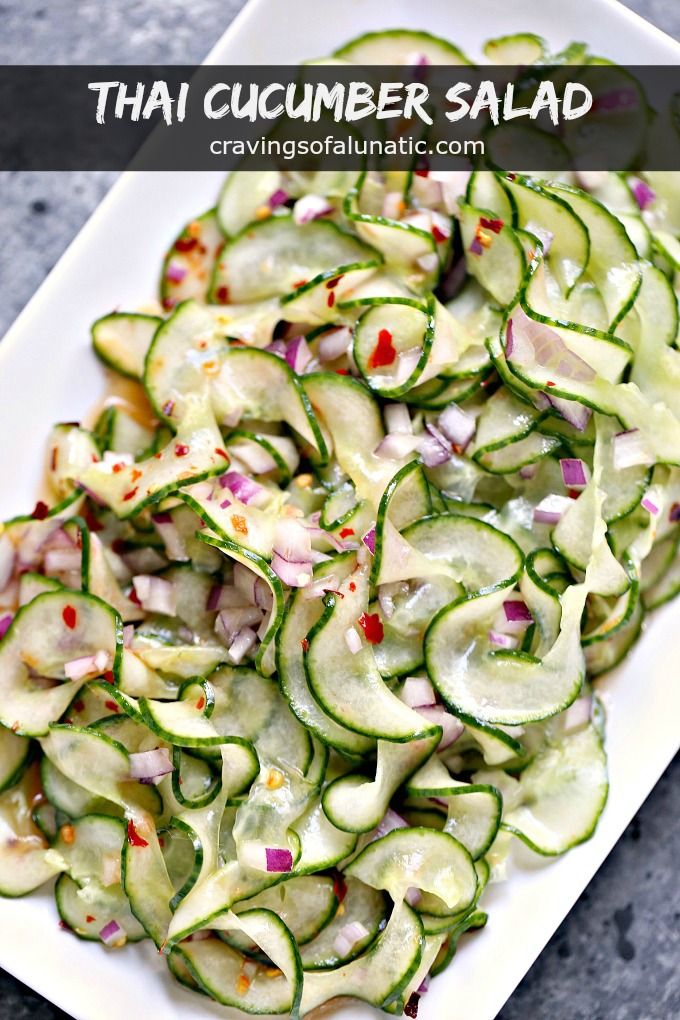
(185, 243)
(221, 453)
(491, 224)
(573, 493)
(64, 927)
(91, 521)
(161, 842)
(385, 352)
(168, 407)
(352, 586)
(118, 467)
(168, 303)
(134, 597)
(239, 523)
(339, 886)
(79, 705)
(68, 615)
(421, 173)
(40, 511)
(305, 644)
(200, 704)
(371, 624)
(330, 301)
(181, 449)
(298, 284)
(222, 295)
(112, 706)
(136, 474)
(341, 371)
(439, 234)
(411, 1007)
(119, 546)
(332, 284)
(133, 837)
(130, 495)
(158, 456)
(550, 383)
(90, 919)
(346, 532)
(109, 677)
(53, 458)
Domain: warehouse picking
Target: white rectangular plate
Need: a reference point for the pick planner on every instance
(48, 374)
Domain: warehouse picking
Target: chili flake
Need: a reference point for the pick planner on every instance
(411, 1007)
(330, 301)
(346, 532)
(53, 458)
(352, 586)
(491, 224)
(168, 407)
(112, 706)
(40, 511)
(439, 235)
(108, 677)
(371, 624)
(90, 919)
(133, 837)
(305, 644)
(298, 284)
(68, 615)
(130, 495)
(222, 295)
(181, 449)
(200, 704)
(185, 243)
(239, 524)
(385, 352)
(221, 453)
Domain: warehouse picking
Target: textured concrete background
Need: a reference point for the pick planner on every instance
(616, 955)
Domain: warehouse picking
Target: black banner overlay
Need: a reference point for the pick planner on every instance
(336, 117)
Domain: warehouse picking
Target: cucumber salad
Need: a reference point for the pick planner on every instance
(307, 635)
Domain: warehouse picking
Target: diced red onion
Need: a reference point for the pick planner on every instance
(334, 343)
(277, 346)
(277, 198)
(253, 456)
(417, 59)
(528, 471)
(643, 194)
(386, 593)
(61, 561)
(369, 540)
(87, 665)
(5, 623)
(110, 869)
(577, 414)
(434, 448)
(244, 641)
(457, 425)
(630, 450)
(242, 488)
(578, 714)
(418, 692)
(111, 932)
(298, 354)
(292, 553)
(317, 589)
(311, 207)
(347, 938)
(514, 617)
(674, 513)
(500, 640)
(7, 555)
(353, 640)
(150, 766)
(573, 473)
(230, 622)
(476, 247)
(398, 419)
(550, 509)
(128, 634)
(424, 985)
(649, 505)
(396, 445)
(278, 860)
(294, 573)
(175, 272)
(451, 727)
(155, 594)
(390, 821)
(175, 548)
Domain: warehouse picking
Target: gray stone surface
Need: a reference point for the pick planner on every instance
(616, 956)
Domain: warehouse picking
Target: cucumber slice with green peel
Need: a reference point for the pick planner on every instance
(484, 191)
(301, 615)
(405, 499)
(515, 455)
(354, 803)
(306, 905)
(145, 877)
(183, 856)
(380, 974)
(269, 257)
(322, 845)
(243, 194)
(55, 628)
(190, 263)
(69, 797)
(24, 861)
(474, 920)
(519, 48)
(88, 910)
(350, 688)
(217, 968)
(72, 450)
(409, 331)
(361, 905)
(398, 46)
(474, 811)
(493, 253)
(193, 454)
(122, 339)
(118, 431)
(318, 300)
(561, 794)
(14, 752)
